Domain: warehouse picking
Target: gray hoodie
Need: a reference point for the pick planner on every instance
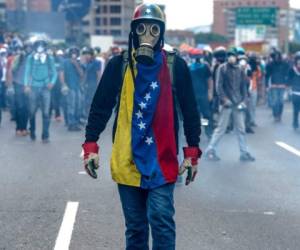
(231, 83)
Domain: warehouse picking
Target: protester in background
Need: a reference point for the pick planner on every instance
(208, 55)
(203, 88)
(243, 62)
(276, 78)
(294, 83)
(92, 76)
(15, 78)
(232, 91)
(1, 95)
(10, 91)
(99, 56)
(220, 55)
(71, 77)
(56, 95)
(40, 77)
(255, 78)
(3, 67)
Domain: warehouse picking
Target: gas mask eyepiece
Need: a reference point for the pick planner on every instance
(148, 35)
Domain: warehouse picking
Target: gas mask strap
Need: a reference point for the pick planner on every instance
(130, 62)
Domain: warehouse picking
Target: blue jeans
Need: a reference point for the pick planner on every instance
(143, 207)
(252, 106)
(239, 125)
(74, 107)
(40, 97)
(21, 103)
(277, 95)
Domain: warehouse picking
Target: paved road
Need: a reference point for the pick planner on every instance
(231, 205)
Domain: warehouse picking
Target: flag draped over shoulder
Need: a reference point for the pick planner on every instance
(144, 150)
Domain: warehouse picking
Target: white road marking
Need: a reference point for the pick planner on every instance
(82, 172)
(65, 233)
(288, 148)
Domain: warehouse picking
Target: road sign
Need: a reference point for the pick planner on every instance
(256, 16)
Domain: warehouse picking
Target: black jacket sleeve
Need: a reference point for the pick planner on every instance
(186, 99)
(105, 99)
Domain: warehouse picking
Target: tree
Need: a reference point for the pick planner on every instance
(294, 47)
(207, 38)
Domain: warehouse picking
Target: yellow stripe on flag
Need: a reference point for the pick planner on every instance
(122, 167)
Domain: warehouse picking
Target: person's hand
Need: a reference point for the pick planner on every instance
(242, 106)
(91, 158)
(10, 91)
(227, 103)
(27, 89)
(190, 163)
(64, 89)
(50, 86)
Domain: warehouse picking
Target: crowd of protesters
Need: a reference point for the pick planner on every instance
(228, 85)
(60, 82)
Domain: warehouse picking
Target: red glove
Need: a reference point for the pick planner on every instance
(91, 158)
(190, 163)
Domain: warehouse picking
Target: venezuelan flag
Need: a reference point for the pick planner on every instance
(144, 150)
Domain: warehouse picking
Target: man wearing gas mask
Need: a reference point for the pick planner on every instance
(232, 89)
(148, 87)
(40, 77)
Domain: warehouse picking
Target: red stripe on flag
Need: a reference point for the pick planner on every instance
(163, 127)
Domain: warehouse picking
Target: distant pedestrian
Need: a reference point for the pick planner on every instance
(56, 95)
(16, 74)
(276, 78)
(40, 77)
(232, 91)
(255, 79)
(71, 77)
(203, 87)
(92, 76)
(294, 83)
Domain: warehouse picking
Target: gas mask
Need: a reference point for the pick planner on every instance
(40, 49)
(232, 59)
(74, 56)
(148, 36)
(243, 63)
(40, 53)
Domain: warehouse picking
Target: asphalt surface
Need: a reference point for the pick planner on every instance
(231, 205)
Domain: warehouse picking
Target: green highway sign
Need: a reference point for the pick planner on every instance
(256, 16)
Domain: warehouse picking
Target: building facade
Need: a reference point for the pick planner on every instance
(295, 15)
(110, 17)
(29, 5)
(2, 13)
(34, 16)
(226, 23)
(177, 37)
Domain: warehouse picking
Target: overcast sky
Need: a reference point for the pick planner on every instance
(189, 13)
